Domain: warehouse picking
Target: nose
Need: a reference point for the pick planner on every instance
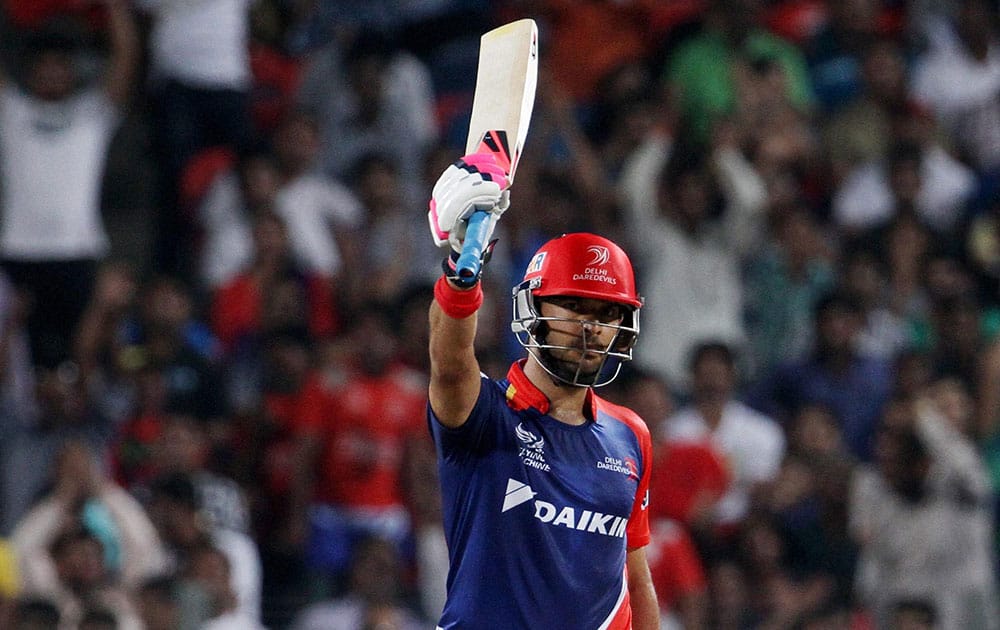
(591, 328)
(589, 325)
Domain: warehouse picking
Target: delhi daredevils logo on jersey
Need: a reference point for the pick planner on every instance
(626, 466)
(550, 514)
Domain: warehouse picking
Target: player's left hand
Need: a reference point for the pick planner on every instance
(475, 182)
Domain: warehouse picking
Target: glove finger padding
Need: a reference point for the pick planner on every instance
(462, 189)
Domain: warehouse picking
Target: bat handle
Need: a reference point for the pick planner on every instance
(477, 232)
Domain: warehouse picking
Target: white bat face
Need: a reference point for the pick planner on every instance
(505, 91)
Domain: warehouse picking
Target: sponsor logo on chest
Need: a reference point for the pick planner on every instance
(566, 516)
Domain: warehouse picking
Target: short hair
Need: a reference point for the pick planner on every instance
(910, 448)
(71, 536)
(369, 162)
(99, 617)
(288, 335)
(955, 303)
(904, 152)
(716, 348)
(256, 148)
(36, 610)
(50, 39)
(162, 587)
(834, 301)
(370, 45)
(176, 487)
(687, 160)
(921, 607)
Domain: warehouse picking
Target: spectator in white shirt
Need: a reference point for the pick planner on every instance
(753, 444)
(54, 140)
(318, 210)
(200, 80)
(923, 518)
(692, 214)
(88, 542)
(374, 597)
(227, 212)
(176, 511)
(209, 569)
(959, 79)
(913, 177)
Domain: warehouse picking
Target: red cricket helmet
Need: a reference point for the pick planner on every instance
(584, 265)
(579, 265)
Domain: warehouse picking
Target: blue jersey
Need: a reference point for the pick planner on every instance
(539, 514)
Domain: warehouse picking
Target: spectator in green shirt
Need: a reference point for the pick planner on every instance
(700, 72)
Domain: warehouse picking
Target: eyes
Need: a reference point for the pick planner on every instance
(599, 310)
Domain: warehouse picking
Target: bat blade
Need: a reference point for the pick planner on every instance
(501, 112)
(505, 91)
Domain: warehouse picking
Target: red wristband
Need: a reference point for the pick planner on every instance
(455, 303)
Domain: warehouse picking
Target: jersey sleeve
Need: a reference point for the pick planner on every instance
(478, 434)
(637, 532)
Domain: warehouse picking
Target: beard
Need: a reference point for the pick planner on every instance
(570, 371)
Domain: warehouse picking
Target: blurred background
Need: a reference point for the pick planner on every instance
(215, 273)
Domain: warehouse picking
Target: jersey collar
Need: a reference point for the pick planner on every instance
(522, 394)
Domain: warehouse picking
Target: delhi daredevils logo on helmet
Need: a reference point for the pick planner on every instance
(601, 255)
(593, 272)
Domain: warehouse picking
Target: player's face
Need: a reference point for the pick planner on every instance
(583, 332)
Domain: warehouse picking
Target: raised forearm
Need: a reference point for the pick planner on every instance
(454, 384)
(988, 390)
(125, 50)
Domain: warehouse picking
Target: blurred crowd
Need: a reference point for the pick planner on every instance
(215, 272)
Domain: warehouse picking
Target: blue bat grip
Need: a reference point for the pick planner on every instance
(476, 234)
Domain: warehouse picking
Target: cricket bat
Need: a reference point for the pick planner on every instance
(501, 110)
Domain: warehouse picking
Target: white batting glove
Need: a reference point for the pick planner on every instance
(476, 182)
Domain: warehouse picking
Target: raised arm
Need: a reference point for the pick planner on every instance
(744, 190)
(638, 191)
(586, 167)
(454, 384)
(125, 51)
(951, 449)
(988, 405)
(3, 70)
(476, 182)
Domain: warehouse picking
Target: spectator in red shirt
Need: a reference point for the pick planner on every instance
(355, 428)
(678, 576)
(271, 293)
(688, 481)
